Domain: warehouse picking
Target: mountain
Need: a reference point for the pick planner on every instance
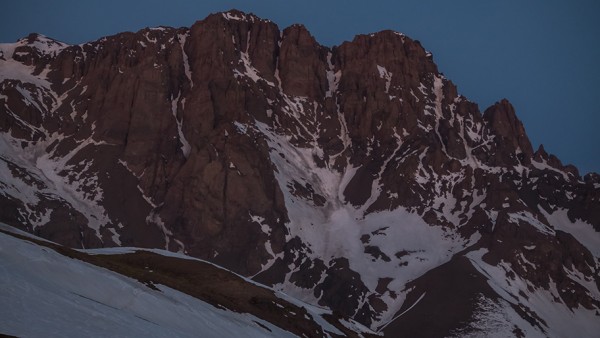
(354, 178)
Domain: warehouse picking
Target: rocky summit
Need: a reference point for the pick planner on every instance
(355, 178)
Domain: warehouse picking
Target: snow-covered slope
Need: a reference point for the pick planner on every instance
(45, 294)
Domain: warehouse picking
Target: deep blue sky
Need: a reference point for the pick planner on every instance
(543, 55)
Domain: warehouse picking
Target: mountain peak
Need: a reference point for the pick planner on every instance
(32, 47)
(237, 15)
(43, 43)
(504, 123)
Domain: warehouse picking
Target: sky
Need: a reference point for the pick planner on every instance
(542, 55)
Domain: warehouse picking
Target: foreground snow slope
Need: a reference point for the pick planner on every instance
(45, 294)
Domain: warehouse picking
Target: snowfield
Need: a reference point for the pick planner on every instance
(45, 294)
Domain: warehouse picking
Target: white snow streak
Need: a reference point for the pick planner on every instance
(185, 145)
(387, 76)
(333, 77)
(186, 62)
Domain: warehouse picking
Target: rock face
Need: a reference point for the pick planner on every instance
(353, 177)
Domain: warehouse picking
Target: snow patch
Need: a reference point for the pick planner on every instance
(185, 145)
(545, 166)
(582, 231)
(387, 76)
(333, 77)
(265, 228)
(531, 220)
(496, 320)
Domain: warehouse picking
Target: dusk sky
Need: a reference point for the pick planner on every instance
(542, 55)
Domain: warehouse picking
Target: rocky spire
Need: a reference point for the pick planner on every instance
(504, 123)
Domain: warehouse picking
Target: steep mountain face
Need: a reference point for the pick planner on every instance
(353, 177)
